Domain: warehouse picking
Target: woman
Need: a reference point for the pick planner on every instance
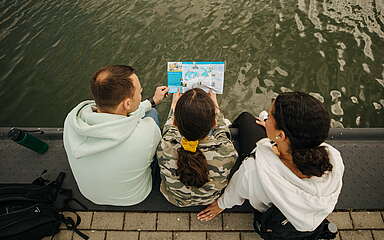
(292, 168)
(195, 154)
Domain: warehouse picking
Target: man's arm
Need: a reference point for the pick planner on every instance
(160, 93)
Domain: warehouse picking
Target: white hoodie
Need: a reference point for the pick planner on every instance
(266, 180)
(110, 155)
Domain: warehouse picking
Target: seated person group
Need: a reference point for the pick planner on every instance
(114, 144)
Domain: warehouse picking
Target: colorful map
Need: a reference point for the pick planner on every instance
(187, 75)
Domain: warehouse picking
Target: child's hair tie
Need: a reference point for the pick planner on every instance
(189, 146)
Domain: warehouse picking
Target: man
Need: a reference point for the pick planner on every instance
(109, 142)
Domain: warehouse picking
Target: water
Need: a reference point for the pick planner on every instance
(333, 49)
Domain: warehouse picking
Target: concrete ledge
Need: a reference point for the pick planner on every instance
(48, 133)
(361, 150)
(334, 133)
(356, 134)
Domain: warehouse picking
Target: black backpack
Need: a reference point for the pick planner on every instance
(273, 225)
(27, 211)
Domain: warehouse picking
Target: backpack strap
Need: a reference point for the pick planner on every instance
(257, 221)
(72, 225)
(40, 180)
(69, 198)
(56, 185)
(60, 179)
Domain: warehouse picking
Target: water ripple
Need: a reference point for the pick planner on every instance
(321, 47)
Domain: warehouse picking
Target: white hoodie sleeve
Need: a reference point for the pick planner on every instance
(237, 191)
(146, 105)
(155, 141)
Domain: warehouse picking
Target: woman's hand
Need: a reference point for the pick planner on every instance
(175, 98)
(260, 121)
(210, 212)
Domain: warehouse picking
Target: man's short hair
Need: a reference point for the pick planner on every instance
(111, 85)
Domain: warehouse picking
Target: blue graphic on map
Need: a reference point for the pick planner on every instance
(186, 75)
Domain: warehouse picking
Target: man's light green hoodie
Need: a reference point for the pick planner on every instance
(110, 155)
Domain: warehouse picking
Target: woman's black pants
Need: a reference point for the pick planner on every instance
(249, 132)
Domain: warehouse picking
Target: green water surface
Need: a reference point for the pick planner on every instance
(333, 49)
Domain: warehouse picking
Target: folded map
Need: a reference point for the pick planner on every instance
(187, 75)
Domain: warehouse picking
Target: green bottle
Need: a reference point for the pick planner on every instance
(22, 137)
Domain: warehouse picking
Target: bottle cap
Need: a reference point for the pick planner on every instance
(332, 227)
(263, 115)
(15, 134)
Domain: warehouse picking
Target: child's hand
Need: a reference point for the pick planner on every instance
(212, 95)
(175, 98)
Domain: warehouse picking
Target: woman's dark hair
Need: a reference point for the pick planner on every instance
(111, 85)
(306, 123)
(194, 117)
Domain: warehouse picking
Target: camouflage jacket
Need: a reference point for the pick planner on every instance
(219, 152)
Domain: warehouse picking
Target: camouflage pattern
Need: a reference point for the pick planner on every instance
(219, 152)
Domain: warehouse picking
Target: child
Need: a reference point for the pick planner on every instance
(195, 154)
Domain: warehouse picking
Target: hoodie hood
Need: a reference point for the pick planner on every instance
(91, 132)
(305, 202)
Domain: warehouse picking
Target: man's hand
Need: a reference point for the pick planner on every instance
(210, 212)
(175, 98)
(160, 94)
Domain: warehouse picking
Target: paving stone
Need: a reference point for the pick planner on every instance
(92, 234)
(155, 236)
(250, 236)
(356, 235)
(378, 234)
(189, 236)
(237, 221)
(367, 220)
(223, 236)
(108, 220)
(117, 235)
(338, 237)
(173, 221)
(215, 224)
(86, 218)
(62, 235)
(341, 219)
(140, 221)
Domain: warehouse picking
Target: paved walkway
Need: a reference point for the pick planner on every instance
(185, 226)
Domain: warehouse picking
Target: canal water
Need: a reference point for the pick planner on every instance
(333, 49)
